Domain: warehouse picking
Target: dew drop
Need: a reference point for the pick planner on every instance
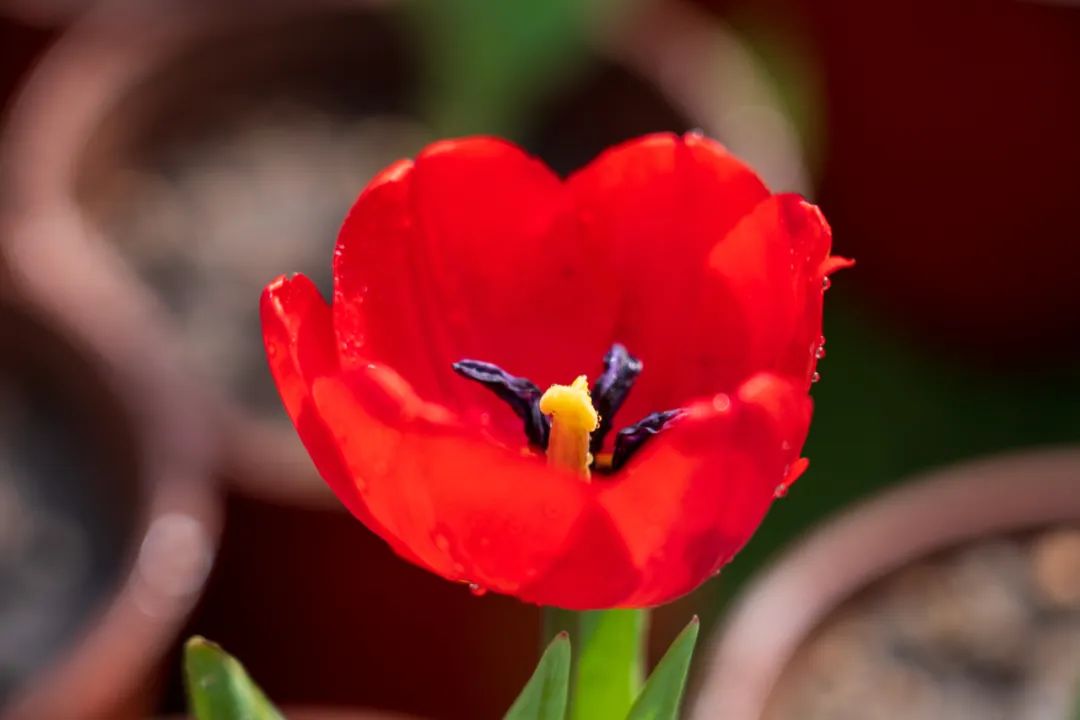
(826, 283)
(780, 491)
(476, 590)
(721, 403)
(442, 542)
(271, 351)
(820, 352)
(816, 377)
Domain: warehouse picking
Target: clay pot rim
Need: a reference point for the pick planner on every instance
(51, 270)
(178, 517)
(77, 87)
(1000, 494)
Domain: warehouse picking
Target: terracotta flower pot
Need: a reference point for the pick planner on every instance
(111, 168)
(946, 510)
(109, 523)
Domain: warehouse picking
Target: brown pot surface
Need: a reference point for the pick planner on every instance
(962, 505)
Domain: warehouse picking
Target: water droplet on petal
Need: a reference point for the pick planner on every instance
(826, 283)
(271, 351)
(442, 542)
(721, 403)
(820, 352)
(780, 491)
(816, 377)
(476, 590)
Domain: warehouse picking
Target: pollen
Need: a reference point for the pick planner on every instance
(573, 419)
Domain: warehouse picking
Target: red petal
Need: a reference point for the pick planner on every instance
(470, 252)
(767, 287)
(660, 204)
(468, 509)
(699, 490)
(474, 512)
(301, 349)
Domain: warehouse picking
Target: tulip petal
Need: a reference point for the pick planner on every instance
(769, 272)
(697, 492)
(659, 205)
(301, 348)
(470, 510)
(470, 252)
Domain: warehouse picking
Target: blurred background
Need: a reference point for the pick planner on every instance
(160, 161)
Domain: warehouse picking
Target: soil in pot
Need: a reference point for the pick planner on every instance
(67, 504)
(244, 157)
(989, 630)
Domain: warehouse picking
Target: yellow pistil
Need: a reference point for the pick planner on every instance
(573, 418)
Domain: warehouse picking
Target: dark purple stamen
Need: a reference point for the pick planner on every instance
(630, 439)
(610, 390)
(520, 393)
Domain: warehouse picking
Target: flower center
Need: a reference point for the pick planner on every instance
(569, 422)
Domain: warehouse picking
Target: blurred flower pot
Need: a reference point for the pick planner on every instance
(107, 521)
(706, 72)
(189, 152)
(957, 594)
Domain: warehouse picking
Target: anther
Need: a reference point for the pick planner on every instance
(630, 439)
(520, 393)
(610, 390)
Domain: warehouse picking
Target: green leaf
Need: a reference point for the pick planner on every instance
(610, 667)
(663, 692)
(219, 688)
(487, 64)
(544, 696)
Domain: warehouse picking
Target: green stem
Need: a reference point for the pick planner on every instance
(609, 659)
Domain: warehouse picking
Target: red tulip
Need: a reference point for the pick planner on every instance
(475, 257)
